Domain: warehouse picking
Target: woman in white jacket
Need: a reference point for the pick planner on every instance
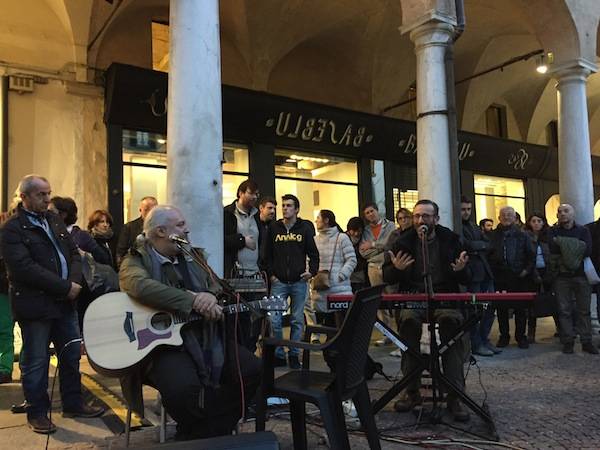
(336, 254)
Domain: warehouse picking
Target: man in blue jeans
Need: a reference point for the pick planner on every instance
(44, 272)
(289, 242)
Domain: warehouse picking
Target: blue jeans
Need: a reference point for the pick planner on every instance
(480, 333)
(35, 359)
(297, 293)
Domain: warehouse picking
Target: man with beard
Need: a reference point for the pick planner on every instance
(448, 267)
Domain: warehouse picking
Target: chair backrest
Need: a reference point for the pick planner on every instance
(352, 342)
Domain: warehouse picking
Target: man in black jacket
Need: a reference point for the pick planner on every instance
(594, 229)
(482, 280)
(289, 242)
(44, 272)
(448, 267)
(512, 259)
(131, 230)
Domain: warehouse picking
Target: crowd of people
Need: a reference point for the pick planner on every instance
(44, 254)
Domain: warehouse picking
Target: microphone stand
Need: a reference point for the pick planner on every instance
(434, 355)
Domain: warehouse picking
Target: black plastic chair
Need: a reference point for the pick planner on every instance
(346, 352)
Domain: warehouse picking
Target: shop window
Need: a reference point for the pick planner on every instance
(378, 185)
(404, 199)
(493, 193)
(145, 169)
(319, 182)
(495, 120)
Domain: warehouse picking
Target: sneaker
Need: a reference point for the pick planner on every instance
(568, 348)
(396, 353)
(459, 413)
(349, 408)
(84, 411)
(279, 362)
(483, 351)
(21, 408)
(523, 343)
(41, 425)
(493, 348)
(588, 347)
(503, 341)
(382, 342)
(294, 363)
(408, 400)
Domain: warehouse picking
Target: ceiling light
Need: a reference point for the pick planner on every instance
(543, 61)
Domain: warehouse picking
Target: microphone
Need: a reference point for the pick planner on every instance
(422, 229)
(178, 240)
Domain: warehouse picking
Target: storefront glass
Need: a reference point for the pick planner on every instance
(319, 182)
(493, 193)
(145, 169)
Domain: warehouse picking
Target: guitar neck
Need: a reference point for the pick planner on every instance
(227, 309)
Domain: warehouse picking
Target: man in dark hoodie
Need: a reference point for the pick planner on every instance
(404, 265)
(289, 242)
(482, 280)
(512, 259)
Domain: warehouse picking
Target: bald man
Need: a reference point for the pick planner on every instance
(570, 284)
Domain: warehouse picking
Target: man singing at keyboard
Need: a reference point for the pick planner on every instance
(448, 267)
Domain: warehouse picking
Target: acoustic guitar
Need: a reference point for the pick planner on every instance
(120, 332)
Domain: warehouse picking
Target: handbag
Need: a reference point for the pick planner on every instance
(321, 281)
(545, 303)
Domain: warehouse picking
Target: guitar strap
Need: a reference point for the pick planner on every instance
(185, 273)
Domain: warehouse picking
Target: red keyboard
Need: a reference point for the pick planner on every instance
(442, 300)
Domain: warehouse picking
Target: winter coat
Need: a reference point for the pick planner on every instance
(128, 235)
(576, 231)
(476, 245)
(511, 253)
(375, 255)
(37, 289)
(234, 241)
(411, 279)
(344, 262)
(87, 243)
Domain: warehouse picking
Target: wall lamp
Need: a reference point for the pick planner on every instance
(543, 61)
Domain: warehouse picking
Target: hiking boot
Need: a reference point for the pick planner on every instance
(407, 401)
(457, 410)
(294, 362)
(483, 351)
(41, 425)
(588, 347)
(503, 341)
(568, 348)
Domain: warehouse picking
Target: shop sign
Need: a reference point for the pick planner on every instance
(318, 129)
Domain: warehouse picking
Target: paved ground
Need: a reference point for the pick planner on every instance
(539, 398)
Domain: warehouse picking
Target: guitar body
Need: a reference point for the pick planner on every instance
(120, 332)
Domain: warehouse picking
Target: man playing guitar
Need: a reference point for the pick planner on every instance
(199, 383)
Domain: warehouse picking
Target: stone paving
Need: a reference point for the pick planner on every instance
(539, 398)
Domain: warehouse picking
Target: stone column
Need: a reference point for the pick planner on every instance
(574, 158)
(195, 134)
(433, 152)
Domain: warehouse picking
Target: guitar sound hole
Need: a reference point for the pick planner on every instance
(161, 321)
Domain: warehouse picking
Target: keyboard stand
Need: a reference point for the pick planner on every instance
(437, 376)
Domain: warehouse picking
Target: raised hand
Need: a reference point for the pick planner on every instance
(401, 261)
(460, 262)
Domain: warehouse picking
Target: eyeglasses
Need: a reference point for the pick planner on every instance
(423, 216)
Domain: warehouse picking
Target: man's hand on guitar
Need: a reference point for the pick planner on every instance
(206, 305)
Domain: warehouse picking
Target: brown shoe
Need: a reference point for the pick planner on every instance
(407, 401)
(41, 425)
(84, 411)
(457, 410)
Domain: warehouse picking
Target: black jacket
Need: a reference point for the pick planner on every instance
(284, 253)
(477, 246)
(37, 290)
(411, 279)
(511, 253)
(234, 241)
(129, 233)
(594, 229)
